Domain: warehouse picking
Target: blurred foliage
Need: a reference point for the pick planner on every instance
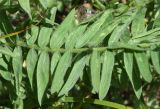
(79, 54)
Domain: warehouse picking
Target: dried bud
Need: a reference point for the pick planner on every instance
(84, 11)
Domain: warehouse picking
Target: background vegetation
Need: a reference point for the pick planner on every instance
(75, 54)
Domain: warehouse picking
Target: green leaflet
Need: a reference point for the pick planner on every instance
(52, 18)
(74, 36)
(6, 75)
(5, 25)
(126, 37)
(141, 105)
(58, 79)
(138, 24)
(8, 52)
(31, 38)
(146, 39)
(95, 66)
(2, 2)
(58, 37)
(147, 33)
(54, 61)
(156, 19)
(135, 79)
(42, 75)
(25, 4)
(17, 68)
(142, 3)
(103, 32)
(155, 56)
(106, 76)
(31, 61)
(119, 31)
(143, 65)
(74, 75)
(4, 72)
(48, 3)
(43, 3)
(92, 30)
(44, 36)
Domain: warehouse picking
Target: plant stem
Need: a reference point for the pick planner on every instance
(95, 101)
(76, 50)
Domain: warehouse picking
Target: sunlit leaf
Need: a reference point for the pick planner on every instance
(8, 52)
(25, 4)
(92, 30)
(57, 39)
(106, 76)
(147, 33)
(74, 75)
(58, 79)
(48, 3)
(44, 36)
(42, 75)
(4, 73)
(95, 70)
(31, 38)
(155, 56)
(17, 68)
(119, 31)
(74, 36)
(106, 29)
(135, 79)
(54, 61)
(143, 65)
(138, 24)
(31, 61)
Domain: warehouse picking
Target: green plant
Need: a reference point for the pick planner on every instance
(50, 65)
